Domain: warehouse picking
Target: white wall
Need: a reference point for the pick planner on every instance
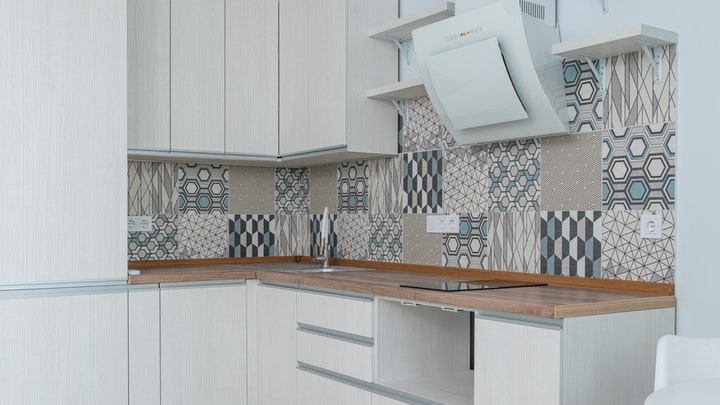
(697, 279)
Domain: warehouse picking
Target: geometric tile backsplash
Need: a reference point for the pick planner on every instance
(568, 204)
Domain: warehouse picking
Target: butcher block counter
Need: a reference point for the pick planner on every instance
(562, 297)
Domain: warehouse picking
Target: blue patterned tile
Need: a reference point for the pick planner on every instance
(584, 98)
(639, 168)
(161, 243)
(386, 238)
(203, 189)
(570, 243)
(422, 182)
(252, 235)
(352, 180)
(316, 237)
(515, 175)
(469, 247)
(292, 191)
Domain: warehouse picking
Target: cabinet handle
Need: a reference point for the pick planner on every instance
(409, 303)
(451, 309)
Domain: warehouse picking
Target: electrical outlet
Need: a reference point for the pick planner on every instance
(651, 226)
(139, 223)
(443, 224)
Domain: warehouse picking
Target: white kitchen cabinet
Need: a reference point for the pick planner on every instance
(327, 63)
(197, 78)
(63, 120)
(148, 75)
(314, 389)
(64, 346)
(602, 359)
(251, 77)
(144, 344)
(203, 343)
(276, 363)
(382, 400)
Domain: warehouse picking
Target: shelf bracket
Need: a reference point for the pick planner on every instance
(403, 107)
(404, 47)
(604, 6)
(599, 71)
(654, 54)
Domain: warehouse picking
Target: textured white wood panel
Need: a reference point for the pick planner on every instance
(251, 77)
(381, 400)
(197, 70)
(610, 359)
(144, 346)
(149, 74)
(276, 345)
(65, 350)
(316, 390)
(294, 127)
(203, 345)
(516, 364)
(348, 315)
(63, 139)
(336, 355)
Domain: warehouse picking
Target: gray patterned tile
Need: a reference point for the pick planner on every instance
(465, 179)
(152, 188)
(293, 235)
(202, 236)
(203, 189)
(424, 130)
(422, 182)
(572, 172)
(252, 190)
(570, 243)
(514, 241)
(469, 247)
(385, 181)
(292, 191)
(323, 189)
(353, 236)
(252, 235)
(515, 175)
(159, 244)
(352, 193)
(386, 238)
(584, 98)
(316, 235)
(418, 246)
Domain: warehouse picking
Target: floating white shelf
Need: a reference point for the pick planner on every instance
(618, 42)
(596, 49)
(402, 28)
(404, 90)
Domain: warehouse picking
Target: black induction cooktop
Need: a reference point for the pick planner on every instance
(469, 285)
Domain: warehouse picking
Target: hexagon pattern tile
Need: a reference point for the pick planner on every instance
(465, 179)
(161, 243)
(584, 98)
(316, 235)
(353, 232)
(626, 256)
(633, 98)
(386, 238)
(384, 185)
(252, 235)
(515, 175)
(425, 130)
(203, 189)
(292, 191)
(352, 180)
(639, 167)
(422, 182)
(152, 188)
(514, 241)
(572, 172)
(292, 237)
(469, 247)
(202, 236)
(570, 243)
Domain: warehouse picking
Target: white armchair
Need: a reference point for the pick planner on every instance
(682, 359)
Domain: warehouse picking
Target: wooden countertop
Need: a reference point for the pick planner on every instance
(563, 297)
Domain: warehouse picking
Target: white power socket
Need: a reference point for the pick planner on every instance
(651, 226)
(141, 223)
(443, 224)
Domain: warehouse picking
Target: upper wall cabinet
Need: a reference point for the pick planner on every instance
(327, 63)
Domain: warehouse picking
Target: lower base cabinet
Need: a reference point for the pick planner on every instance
(313, 389)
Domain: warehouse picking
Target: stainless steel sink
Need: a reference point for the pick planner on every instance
(332, 269)
(304, 268)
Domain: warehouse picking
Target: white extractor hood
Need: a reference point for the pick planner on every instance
(490, 73)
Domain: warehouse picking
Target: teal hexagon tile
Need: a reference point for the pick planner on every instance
(159, 244)
(514, 172)
(386, 238)
(469, 247)
(584, 99)
(292, 191)
(203, 189)
(352, 187)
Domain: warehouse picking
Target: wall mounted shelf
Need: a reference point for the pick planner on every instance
(400, 94)
(595, 49)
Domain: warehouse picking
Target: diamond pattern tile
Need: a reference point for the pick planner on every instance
(571, 243)
(252, 235)
(469, 247)
(292, 191)
(422, 182)
(466, 185)
(626, 256)
(202, 236)
(515, 175)
(203, 189)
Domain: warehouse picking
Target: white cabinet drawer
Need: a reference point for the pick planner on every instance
(345, 314)
(381, 400)
(313, 389)
(334, 354)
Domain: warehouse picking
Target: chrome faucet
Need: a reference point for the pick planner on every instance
(324, 256)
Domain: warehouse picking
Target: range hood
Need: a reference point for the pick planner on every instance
(490, 73)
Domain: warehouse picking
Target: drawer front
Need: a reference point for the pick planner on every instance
(340, 356)
(344, 314)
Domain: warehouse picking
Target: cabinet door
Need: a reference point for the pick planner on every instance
(149, 74)
(197, 62)
(144, 344)
(64, 349)
(63, 140)
(316, 390)
(516, 363)
(203, 344)
(251, 77)
(276, 345)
